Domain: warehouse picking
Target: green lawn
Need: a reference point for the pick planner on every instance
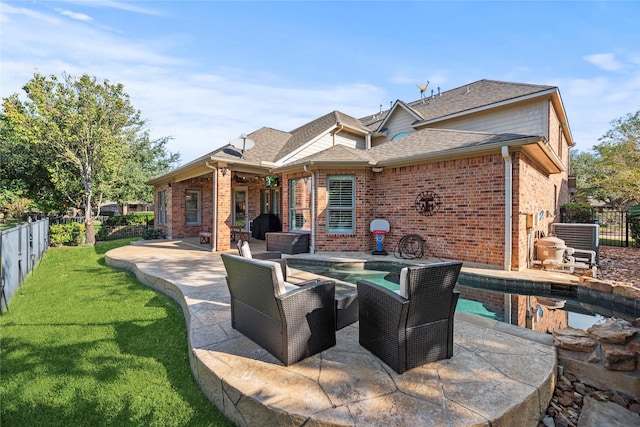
(84, 344)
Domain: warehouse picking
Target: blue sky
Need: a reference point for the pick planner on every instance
(204, 72)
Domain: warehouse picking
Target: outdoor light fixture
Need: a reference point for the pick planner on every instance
(377, 169)
(224, 171)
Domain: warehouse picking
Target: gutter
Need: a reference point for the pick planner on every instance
(508, 202)
(312, 238)
(214, 229)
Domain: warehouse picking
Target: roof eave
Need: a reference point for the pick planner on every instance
(537, 148)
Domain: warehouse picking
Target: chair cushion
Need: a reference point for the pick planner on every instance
(245, 251)
(404, 283)
(279, 285)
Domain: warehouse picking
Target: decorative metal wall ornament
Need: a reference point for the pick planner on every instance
(427, 203)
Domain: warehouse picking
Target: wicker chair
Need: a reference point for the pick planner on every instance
(413, 326)
(290, 322)
(244, 250)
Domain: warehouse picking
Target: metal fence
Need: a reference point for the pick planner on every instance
(106, 232)
(615, 226)
(21, 248)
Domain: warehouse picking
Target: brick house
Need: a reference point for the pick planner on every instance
(475, 171)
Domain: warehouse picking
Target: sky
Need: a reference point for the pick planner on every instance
(205, 72)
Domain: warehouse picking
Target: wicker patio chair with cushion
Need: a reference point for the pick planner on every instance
(245, 251)
(413, 326)
(290, 322)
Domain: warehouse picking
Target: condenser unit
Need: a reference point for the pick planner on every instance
(579, 236)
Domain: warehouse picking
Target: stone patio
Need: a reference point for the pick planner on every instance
(500, 375)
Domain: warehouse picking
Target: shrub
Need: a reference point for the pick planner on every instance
(634, 223)
(579, 213)
(154, 234)
(67, 234)
(136, 218)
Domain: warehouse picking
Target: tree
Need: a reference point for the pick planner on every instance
(144, 159)
(612, 172)
(82, 132)
(618, 178)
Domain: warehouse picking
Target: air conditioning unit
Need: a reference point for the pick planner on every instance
(579, 236)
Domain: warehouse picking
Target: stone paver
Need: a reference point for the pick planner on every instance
(495, 377)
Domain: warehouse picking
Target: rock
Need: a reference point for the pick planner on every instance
(571, 377)
(620, 400)
(597, 414)
(627, 291)
(613, 331)
(565, 401)
(636, 323)
(635, 407)
(548, 421)
(598, 395)
(599, 285)
(581, 344)
(618, 359)
(580, 388)
(594, 357)
(634, 346)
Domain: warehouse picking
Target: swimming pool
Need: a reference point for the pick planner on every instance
(541, 307)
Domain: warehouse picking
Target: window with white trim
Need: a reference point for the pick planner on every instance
(300, 204)
(192, 207)
(162, 207)
(341, 204)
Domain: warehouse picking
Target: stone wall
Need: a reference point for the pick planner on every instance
(604, 356)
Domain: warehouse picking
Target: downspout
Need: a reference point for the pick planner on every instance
(214, 229)
(341, 126)
(508, 201)
(312, 238)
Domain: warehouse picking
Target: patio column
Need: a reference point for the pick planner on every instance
(223, 211)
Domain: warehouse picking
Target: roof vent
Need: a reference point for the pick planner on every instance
(439, 94)
(468, 89)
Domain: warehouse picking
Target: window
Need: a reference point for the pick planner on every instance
(270, 201)
(300, 204)
(162, 207)
(341, 204)
(192, 207)
(399, 135)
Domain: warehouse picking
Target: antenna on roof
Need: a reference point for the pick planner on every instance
(423, 89)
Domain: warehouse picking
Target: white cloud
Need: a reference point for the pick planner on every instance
(75, 15)
(606, 61)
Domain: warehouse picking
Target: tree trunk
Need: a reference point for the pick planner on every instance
(89, 229)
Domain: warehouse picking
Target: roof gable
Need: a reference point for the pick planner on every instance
(398, 108)
(308, 133)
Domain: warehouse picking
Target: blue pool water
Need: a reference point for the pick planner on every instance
(542, 305)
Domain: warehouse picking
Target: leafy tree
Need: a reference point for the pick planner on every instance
(80, 133)
(618, 178)
(144, 159)
(612, 172)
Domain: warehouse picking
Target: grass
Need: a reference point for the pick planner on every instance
(84, 344)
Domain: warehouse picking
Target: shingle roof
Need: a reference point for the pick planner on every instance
(431, 141)
(468, 97)
(268, 142)
(337, 154)
(305, 133)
